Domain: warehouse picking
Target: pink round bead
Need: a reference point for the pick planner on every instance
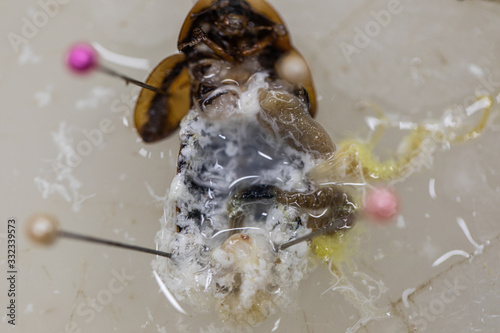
(381, 205)
(82, 58)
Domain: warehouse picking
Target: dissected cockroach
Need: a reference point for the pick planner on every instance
(244, 99)
(257, 177)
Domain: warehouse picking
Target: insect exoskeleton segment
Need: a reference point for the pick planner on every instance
(242, 205)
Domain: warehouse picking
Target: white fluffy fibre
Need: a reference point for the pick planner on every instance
(237, 272)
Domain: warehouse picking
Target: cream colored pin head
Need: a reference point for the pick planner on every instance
(42, 228)
(293, 68)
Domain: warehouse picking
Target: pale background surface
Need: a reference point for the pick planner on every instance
(430, 56)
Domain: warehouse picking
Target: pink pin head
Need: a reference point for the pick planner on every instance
(82, 58)
(381, 205)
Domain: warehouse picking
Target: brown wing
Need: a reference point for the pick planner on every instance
(158, 115)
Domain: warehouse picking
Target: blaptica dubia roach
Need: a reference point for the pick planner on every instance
(260, 187)
(242, 205)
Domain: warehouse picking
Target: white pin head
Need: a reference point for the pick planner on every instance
(293, 68)
(42, 229)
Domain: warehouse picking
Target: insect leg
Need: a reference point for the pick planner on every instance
(199, 36)
(277, 31)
